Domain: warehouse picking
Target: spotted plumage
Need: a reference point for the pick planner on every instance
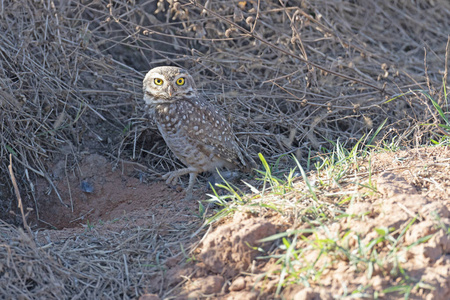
(193, 129)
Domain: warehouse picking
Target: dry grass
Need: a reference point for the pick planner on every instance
(112, 264)
(71, 82)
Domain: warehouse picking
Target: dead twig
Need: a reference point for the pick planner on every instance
(19, 198)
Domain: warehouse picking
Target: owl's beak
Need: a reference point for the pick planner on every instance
(170, 90)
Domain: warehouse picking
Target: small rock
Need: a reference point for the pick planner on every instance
(378, 283)
(307, 294)
(149, 297)
(432, 209)
(193, 295)
(172, 262)
(360, 208)
(419, 230)
(212, 284)
(390, 184)
(87, 187)
(238, 284)
(243, 295)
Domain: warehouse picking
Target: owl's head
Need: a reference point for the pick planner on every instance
(167, 85)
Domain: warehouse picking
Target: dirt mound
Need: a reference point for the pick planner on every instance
(400, 214)
(229, 249)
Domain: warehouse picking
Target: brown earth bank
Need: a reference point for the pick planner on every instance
(141, 238)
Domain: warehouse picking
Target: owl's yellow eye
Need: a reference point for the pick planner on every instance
(158, 81)
(180, 81)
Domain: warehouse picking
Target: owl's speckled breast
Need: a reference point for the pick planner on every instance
(167, 117)
(178, 124)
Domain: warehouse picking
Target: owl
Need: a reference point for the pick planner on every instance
(198, 135)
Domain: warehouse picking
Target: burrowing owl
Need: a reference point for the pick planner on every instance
(195, 132)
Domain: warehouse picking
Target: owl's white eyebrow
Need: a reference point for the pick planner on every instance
(179, 76)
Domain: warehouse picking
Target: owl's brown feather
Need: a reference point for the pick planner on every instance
(195, 132)
(204, 127)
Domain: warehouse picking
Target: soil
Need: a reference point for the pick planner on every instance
(228, 264)
(97, 191)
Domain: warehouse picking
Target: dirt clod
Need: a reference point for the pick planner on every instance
(244, 295)
(211, 284)
(306, 294)
(390, 184)
(149, 297)
(229, 249)
(238, 284)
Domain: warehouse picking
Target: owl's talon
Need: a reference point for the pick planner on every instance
(173, 187)
(189, 196)
(170, 178)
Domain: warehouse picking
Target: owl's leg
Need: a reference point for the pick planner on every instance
(172, 177)
(192, 177)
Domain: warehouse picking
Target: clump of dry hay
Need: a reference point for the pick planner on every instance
(112, 265)
(59, 95)
(71, 82)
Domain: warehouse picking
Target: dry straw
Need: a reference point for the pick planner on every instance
(70, 83)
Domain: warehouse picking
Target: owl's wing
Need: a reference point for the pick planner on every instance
(212, 132)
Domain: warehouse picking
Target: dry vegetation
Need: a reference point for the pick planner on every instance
(292, 77)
